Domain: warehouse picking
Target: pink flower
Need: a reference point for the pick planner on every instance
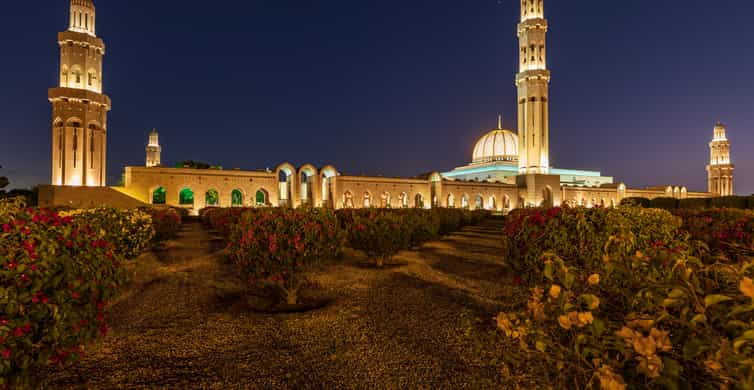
(6, 353)
(18, 332)
(6, 228)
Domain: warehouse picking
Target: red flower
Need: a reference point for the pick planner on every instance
(75, 295)
(6, 353)
(12, 264)
(6, 228)
(18, 332)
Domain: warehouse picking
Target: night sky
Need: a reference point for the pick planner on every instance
(392, 87)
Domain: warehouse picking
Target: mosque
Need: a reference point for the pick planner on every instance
(507, 170)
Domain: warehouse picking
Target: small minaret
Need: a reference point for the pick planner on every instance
(153, 149)
(79, 108)
(720, 169)
(533, 82)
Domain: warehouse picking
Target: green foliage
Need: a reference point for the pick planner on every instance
(727, 233)
(57, 275)
(694, 203)
(381, 235)
(130, 231)
(734, 202)
(664, 203)
(650, 314)
(635, 201)
(166, 222)
(275, 246)
(582, 235)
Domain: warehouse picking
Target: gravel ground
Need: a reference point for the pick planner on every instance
(184, 323)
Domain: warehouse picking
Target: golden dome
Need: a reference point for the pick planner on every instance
(497, 145)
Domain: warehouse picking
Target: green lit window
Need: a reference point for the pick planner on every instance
(236, 198)
(159, 196)
(212, 198)
(261, 198)
(186, 197)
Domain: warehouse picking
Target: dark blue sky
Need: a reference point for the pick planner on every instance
(392, 87)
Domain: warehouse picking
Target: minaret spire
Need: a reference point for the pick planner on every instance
(79, 108)
(533, 90)
(720, 168)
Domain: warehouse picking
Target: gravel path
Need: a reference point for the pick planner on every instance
(183, 323)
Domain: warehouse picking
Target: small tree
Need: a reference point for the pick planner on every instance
(3, 180)
(380, 234)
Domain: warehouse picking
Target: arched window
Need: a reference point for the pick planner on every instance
(547, 197)
(403, 198)
(465, 202)
(478, 202)
(451, 201)
(348, 200)
(261, 198)
(506, 202)
(367, 200)
(385, 200)
(419, 201)
(211, 198)
(159, 196)
(236, 198)
(492, 203)
(186, 197)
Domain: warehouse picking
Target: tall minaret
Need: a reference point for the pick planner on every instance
(153, 149)
(720, 169)
(79, 109)
(533, 90)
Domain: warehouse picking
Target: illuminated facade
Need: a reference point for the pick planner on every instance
(720, 168)
(533, 82)
(79, 109)
(154, 151)
(507, 170)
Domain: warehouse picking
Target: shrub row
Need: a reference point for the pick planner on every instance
(382, 233)
(274, 246)
(57, 275)
(624, 298)
(736, 202)
(719, 233)
(130, 231)
(166, 222)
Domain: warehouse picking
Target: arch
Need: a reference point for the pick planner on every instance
(478, 202)
(367, 202)
(159, 196)
(236, 198)
(284, 173)
(307, 174)
(64, 76)
(327, 175)
(419, 201)
(547, 197)
(612, 203)
(506, 202)
(451, 201)
(262, 197)
(348, 199)
(385, 200)
(76, 76)
(465, 201)
(603, 203)
(186, 197)
(73, 122)
(492, 203)
(211, 198)
(403, 199)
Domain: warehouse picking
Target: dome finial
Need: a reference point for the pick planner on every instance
(500, 121)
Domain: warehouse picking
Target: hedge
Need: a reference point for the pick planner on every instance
(57, 275)
(651, 315)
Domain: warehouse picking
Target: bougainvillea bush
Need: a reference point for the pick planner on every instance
(223, 219)
(166, 222)
(722, 232)
(584, 235)
(57, 275)
(129, 231)
(651, 315)
(380, 234)
(276, 246)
